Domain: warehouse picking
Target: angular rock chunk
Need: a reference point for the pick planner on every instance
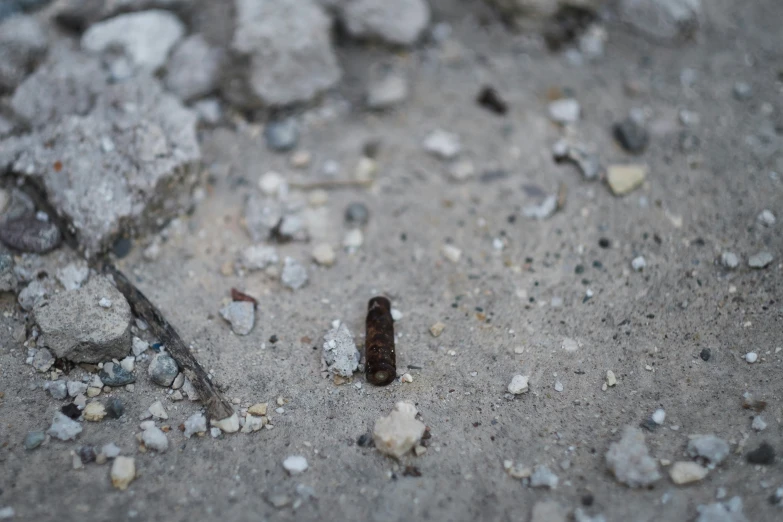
(75, 327)
(630, 460)
(400, 22)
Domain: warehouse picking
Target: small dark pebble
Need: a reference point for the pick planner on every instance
(71, 411)
(648, 424)
(29, 234)
(705, 354)
(491, 100)
(273, 339)
(604, 242)
(356, 214)
(115, 408)
(86, 453)
(580, 269)
(122, 247)
(598, 265)
(371, 149)
(587, 500)
(631, 136)
(364, 440)
(764, 454)
(411, 471)
(281, 135)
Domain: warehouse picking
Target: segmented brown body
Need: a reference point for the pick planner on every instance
(381, 361)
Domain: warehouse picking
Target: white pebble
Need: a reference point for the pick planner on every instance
(758, 423)
(751, 357)
(104, 303)
(638, 263)
(518, 384)
(406, 377)
(558, 386)
(659, 416)
(270, 183)
(766, 218)
(396, 314)
(566, 110)
(353, 239)
(451, 253)
(295, 464)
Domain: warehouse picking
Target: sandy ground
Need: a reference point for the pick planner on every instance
(647, 327)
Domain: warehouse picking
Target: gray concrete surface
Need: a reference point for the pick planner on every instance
(496, 305)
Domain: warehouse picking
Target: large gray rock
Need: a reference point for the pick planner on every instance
(125, 167)
(66, 83)
(22, 43)
(400, 22)
(662, 19)
(194, 68)
(146, 37)
(76, 327)
(282, 53)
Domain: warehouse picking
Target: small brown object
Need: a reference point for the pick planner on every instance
(381, 361)
(236, 295)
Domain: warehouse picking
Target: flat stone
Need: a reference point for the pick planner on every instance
(196, 424)
(123, 471)
(64, 428)
(241, 316)
(729, 260)
(623, 179)
(94, 412)
(253, 423)
(687, 472)
(139, 346)
(398, 433)
(76, 388)
(115, 375)
(451, 253)
(163, 369)
(542, 210)
(387, 91)
(30, 234)
(518, 384)
(339, 352)
(57, 389)
(33, 439)
(630, 462)
(437, 329)
(157, 410)
(146, 37)
(760, 260)
(43, 360)
(588, 163)
(258, 409)
(154, 438)
(193, 70)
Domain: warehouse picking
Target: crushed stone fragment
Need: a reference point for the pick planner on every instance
(339, 352)
(630, 460)
(123, 471)
(94, 412)
(399, 432)
(686, 472)
(196, 424)
(623, 179)
(709, 447)
(227, 425)
(518, 384)
(295, 464)
(64, 428)
(240, 315)
(154, 438)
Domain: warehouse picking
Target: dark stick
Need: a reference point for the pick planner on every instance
(381, 361)
(217, 406)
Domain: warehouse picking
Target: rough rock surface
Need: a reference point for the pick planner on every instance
(400, 22)
(125, 166)
(194, 68)
(339, 352)
(282, 53)
(146, 37)
(22, 42)
(630, 460)
(75, 327)
(396, 434)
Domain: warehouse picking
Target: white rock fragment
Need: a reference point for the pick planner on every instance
(751, 357)
(154, 438)
(64, 428)
(451, 253)
(240, 315)
(730, 511)
(76, 387)
(253, 423)
(57, 389)
(518, 384)
(758, 423)
(258, 257)
(658, 416)
(94, 412)
(687, 472)
(437, 329)
(542, 210)
(398, 433)
(396, 314)
(104, 303)
(128, 364)
(196, 424)
(7, 513)
(123, 471)
(72, 275)
(139, 346)
(271, 184)
(566, 110)
(294, 274)
(629, 460)
(611, 380)
(295, 464)
(569, 345)
(638, 264)
(760, 260)
(729, 260)
(324, 254)
(339, 352)
(766, 218)
(227, 425)
(353, 239)
(558, 386)
(158, 411)
(543, 477)
(445, 145)
(406, 377)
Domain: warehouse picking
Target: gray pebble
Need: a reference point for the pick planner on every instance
(57, 389)
(241, 315)
(34, 439)
(294, 274)
(115, 408)
(43, 360)
(729, 260)
(356, 214)
(282, 135)
(760, 260)
(163, 369)
(7, 277)
(115, 375)
(386, 92)
(29, 234)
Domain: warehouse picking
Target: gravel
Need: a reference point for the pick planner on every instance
(154, 438)
(356, 214)
(442, 144)
(339, 352)
(196, 424)
(123, 471)
(518, 384)
(400, 23)
(294, 275)
(64, 428)
(163, 369)
(708, 447)
(631, 135)
(29, 234)
(564, 111)
(543, 477)
(761, 260)
(396, 434)
(33, 439)
(295, 464)
(763, 454)
(630, 461)
(386, 92)
(729, 260)
(282, 135)
(241, 316)
(115, 408)
(115, 375)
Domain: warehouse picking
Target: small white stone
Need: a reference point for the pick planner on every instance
(228, 425)
(147, 424)
(324, 254)
(155, 439)
(253, 423)
(104, 303)
(729, 260)
(442, 144)
(396, 314)
(611, 380)
(751, 357)
(518, 384)
(687, 472)
(566, 110)
(94, 412)
(558, 386)
(758, 423)
(139, 346)
(75, 388)
(7, 513)
(659, 416)
(766, 218)
(128, 364)
(399, 432)
(569, 345)
(271, 183)
(158, 411)
(638, 263)
(110, 450)
(295, 464)
(406, 377)
(123, 471)
(179, 381)
(451, 253)
(215, 432)
(353, 239)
